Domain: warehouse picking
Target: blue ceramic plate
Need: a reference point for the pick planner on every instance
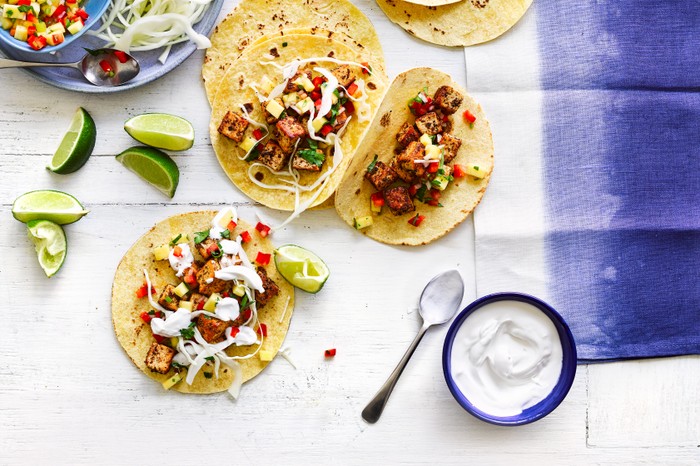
(560, 390)
(94, 9)
(151, 68)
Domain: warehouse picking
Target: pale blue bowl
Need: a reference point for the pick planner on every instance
(94, 8)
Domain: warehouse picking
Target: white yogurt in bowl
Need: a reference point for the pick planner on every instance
(509, 359)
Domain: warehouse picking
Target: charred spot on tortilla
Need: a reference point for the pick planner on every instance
(274, 52)
(259, 176)
(386, 119)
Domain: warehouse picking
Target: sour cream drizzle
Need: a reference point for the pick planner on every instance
(506, 357)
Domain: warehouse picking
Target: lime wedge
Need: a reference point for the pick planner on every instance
(161, 130)
(50, 244)
(301, 267)
(154, 166)
(76, 146)
(55, 206)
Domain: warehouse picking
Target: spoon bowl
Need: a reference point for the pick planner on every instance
(438, 302)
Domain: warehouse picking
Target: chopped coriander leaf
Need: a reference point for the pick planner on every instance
(178, 365)
(313, 156)
(188, 333)
(209, 358)
(168, 299)
(208, 375)
(373, 164)
(312, 144)
(254, 154)
(226, 234)
(244, 302)
(420, 194)
(151, 312)
(216, 253)
(284, 44)
(174, 241)
(200, 236)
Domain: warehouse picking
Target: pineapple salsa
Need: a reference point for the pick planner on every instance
(42, 22)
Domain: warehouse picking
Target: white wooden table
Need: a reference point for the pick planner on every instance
(69, 395)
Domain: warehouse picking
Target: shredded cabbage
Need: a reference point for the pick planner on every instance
(140, 25)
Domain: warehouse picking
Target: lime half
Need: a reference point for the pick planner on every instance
(154, 166)
(301, 267)
(55, 206)
(76, 146)
(161, 130)
(50, 244)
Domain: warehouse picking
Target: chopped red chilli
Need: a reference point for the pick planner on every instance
(263, 258)
(263, 229)
(245, 237)
(258, 134)
(121, 56)
(262, 329)
(417, 220)
(330, 353)
(468, 116)
(146, 317)
(459, 171)
(234, 331)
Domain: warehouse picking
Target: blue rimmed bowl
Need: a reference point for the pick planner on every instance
(94, 8)
(566, 376)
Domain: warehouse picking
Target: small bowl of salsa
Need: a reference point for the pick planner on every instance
(41, 26)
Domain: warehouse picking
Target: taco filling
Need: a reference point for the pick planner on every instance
(212, 308)
(422, 167)
(306, 109)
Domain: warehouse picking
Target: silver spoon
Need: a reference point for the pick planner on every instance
(92, 66)
(439, 301)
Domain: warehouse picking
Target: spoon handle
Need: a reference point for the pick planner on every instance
(5, 63)
(374, 408)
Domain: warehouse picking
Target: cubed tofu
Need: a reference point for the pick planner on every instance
(168, 298)
(407, 134)
(202, 248)
(382, 176)
(450, 146)
(208, 283)
(301, 163)
(429, 123)
(290, 127)
(399, 200)
(448, 99)
(159, 358)
(344, 75)
(405, 166)
(212, 329)
(340, 120)
(294, 82)
(273, 156)
(233, 126)
(270, 287)
(286, 143)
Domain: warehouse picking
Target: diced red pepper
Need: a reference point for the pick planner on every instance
(177, 251)
(417, 220)
(458, 171)
(146, 317)
(31, 31)
(200, 305)
(315, 95)
(246, 315)
(231, 226)
(234, 331)
(37, 42)
(263, 229)
(159, 338)
(366, 69)
(245, 237)
(329, 353)
(262, 329)
(318, 80)
(226, 294)
(72, 2)
(468, 116)
(24, 2)
(258, 134)
(107, 68)
(262, 258)
(326, 130)
(317, 105)
(434, 197)
(141, 292)
(349, 107)
(60, 13)
(190, 276)
(413, 189)
(213, 248)
(121, 56)
(32, 19)
(377, 199)
(433, 167)
(352, 88)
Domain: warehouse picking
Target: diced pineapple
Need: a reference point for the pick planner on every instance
(433, 152)
(363, 222)
(170, 383)
(247, 144)
(210, 305)
(20, 33)
(186, 305)
(318, 123)
(74, 28)
(161, 252)
(377, 209)
(56, 27)
(266, 85)
(6, 23)
(40, 27)
(55, 38)
(226, 219)
(12, 12)
(181, 289)
(239, 290)
(304, 105)
(174, 342)
(440, 182)
(426, 140)
(266, 355)
(274, 108)
(475, 171)
(36, 8)
(290, 99)
(305, 82)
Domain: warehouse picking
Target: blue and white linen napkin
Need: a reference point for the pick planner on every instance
(594, 203)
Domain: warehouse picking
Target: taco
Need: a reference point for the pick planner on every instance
(288, 116)
(457, 24)
(423, 165)
(253, 20)
(217, 311)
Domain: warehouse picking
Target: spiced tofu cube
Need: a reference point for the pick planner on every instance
(291, 128)
(159, 358)
(208, 283)
(168, 299)
(381, 176)
(292, 86)
(205, 247)
(407, 134)
(399, 201)
(450, 146)
(270, 287)
(286, 143)
(405, 163)
(233, 126)
(344, 75)
(448, 99)
(212, 329)
(273, 156)
(339, 121)
(429, 124)
(300, 163)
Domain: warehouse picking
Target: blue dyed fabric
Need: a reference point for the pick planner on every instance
(621, 173)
